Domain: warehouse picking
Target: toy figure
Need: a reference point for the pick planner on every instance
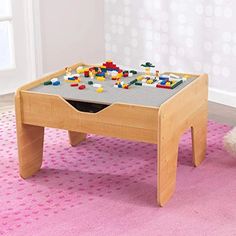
(68, 71)
(148, 66)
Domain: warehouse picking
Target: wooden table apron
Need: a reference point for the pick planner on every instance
(162, 125)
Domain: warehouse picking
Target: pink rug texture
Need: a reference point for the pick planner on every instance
(107, 186)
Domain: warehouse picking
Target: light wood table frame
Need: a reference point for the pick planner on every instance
(162, 125)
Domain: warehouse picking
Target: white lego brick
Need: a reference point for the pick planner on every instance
(97, 85)
(54, 80)
(149, 85)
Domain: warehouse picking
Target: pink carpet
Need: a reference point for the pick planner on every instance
(108, 187)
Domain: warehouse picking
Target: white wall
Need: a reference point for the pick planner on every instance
(177, 35)
(71, 31)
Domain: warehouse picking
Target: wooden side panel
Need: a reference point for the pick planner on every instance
(187, 109)
(117, 120)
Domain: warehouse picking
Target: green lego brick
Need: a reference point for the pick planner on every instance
(47, 83)
(132, 82)
(176, 84)
(134, 72)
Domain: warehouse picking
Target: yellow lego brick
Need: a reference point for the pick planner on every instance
(80, 70)
(100, 78)
(140, 77)
(150, 81)
(100, 90)
(187, 76)
(119, 75)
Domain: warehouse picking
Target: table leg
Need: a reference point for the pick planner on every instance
(30, 149)
(168, 150)
(76, 138)
(167, 167)
(199, 137)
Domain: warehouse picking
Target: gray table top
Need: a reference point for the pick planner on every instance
(135, 95)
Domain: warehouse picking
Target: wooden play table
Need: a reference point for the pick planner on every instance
(146, 114)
